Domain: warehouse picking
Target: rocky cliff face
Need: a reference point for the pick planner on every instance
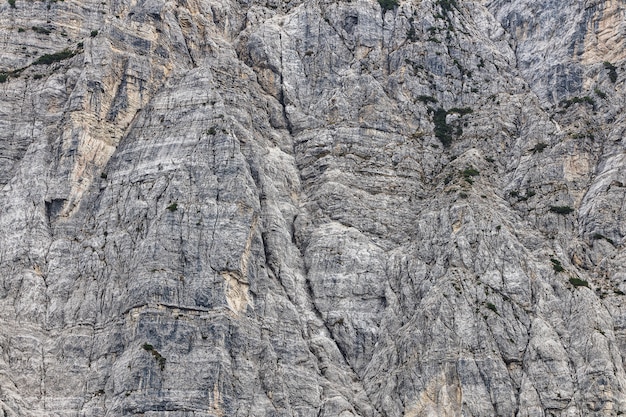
(312, 208)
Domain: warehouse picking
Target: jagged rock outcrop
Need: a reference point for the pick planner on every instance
(320, 208)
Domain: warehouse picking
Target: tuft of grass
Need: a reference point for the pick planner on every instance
(12, 4)
(155, 353)
(468, 173)
(556, 265)
(600, 93)
(426, 99)
(443, 132)
(461, 110)
(575, 100)
(173, 207)
(492, 307)
(94, 33)
(612, 71)
(41, 30)
(561, 209)
(539, 147)
(3, 77)
(598, 236)
(48, 59)
(577, 282)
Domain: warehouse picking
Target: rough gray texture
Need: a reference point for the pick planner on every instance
(320, 208)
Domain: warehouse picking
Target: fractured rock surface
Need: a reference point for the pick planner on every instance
(312, 208)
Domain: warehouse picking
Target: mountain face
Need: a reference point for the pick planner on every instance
(312, 208)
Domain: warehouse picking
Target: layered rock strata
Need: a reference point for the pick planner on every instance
(320, 208)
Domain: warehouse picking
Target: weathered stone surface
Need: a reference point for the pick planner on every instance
(321, 208)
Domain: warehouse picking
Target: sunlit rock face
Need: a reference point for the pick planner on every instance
(312, 208)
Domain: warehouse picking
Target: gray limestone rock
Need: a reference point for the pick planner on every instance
(320, 208)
